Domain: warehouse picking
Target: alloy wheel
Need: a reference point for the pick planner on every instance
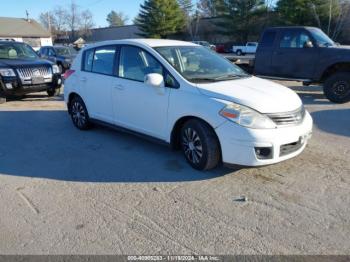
(79, 114)
(192, 145)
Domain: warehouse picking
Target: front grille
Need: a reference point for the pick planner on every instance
(289, 118)
(35, 75)
(29, 72)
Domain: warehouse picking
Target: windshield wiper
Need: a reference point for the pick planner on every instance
(203, 79)
(230, 76)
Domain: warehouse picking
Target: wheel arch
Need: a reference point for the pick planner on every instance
(70, 98)
(335, 68)
(176, 131)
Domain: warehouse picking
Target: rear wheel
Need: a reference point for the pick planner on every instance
(239, 52)
(60, 67)
(200, 145)
(79, 113)
(337, 87)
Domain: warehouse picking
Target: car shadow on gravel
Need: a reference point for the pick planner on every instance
(45, 144)
(335, 122)
(36, 97)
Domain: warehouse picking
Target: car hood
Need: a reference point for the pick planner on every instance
(345, 47)
(259, 94)
(23, 62)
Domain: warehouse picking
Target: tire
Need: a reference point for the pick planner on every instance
(337, 87)
(54, 92)
(60, 67)
(239, 52)
(79, 114)
(2, 100)
(200, 145)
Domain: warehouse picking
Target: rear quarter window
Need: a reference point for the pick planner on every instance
(88, 59)
(268, 39)
(104, 60)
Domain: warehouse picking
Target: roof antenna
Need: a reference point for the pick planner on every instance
(27, 14)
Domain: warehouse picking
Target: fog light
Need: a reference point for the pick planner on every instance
(9, 86)
(264, 152)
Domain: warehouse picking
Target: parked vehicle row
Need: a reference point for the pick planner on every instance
(23, 72)
(305, 54)
(62, 56)
(205, 44)
(189, 97)
(249, 48)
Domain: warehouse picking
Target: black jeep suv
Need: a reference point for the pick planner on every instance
(23, 72)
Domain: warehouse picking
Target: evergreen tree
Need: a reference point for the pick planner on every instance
(160, 18)
(186, 6)
(320, 13)
(241, 18)
(117, 18)
(210, 8)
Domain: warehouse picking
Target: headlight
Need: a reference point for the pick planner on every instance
(7, 72)
(56, 69)
(247, 117)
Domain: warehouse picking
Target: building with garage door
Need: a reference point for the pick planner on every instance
(24, 30)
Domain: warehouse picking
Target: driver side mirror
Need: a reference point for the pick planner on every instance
(154, 79)
(308, 44)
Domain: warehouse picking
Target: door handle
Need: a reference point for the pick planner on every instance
(119, 87)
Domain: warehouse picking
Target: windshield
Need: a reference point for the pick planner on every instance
(17, 51)
(198, 64)
(65, 51)
(321, 38)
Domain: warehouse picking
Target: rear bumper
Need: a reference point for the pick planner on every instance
(13, 86)
(239, 145)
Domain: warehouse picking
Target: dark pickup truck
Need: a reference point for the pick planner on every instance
(305, 54)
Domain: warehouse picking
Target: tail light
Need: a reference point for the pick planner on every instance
(68, 73)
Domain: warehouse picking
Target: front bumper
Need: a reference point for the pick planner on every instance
(239, 144)
(13, 86)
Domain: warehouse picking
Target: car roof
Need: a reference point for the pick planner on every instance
(143, 42)
(291, 27)
(10, 42)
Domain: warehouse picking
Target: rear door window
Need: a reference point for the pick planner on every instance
(104, 58)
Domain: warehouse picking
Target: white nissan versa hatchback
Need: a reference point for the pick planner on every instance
(189, 97)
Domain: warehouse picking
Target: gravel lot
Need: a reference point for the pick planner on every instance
(63, 191)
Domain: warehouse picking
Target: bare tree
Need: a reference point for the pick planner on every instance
(86, 22)
(73, 19)
(47, 19)
(60, 16)
(343, 15)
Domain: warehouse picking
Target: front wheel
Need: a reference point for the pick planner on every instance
(200, 145)
(54, 92)
(239, 52)
(337, 87)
